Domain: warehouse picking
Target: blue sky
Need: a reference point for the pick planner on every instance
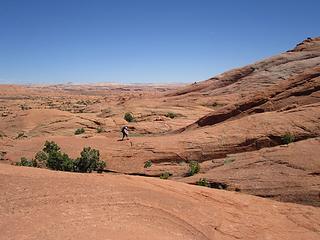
(144, 41)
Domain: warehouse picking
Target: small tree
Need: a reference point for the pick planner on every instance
(59, 161)
(89, 160)
(128, 117)
(52, 158)
(51, 147)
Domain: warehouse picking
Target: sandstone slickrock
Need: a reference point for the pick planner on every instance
(41, 204)
(233, 124)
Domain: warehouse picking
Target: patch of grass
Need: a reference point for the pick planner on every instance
(147, 164)
(203, 182)
(79, 131)
(194, 168)
(228, 160)
(129, 117)
(171, 115)
(165, 175)
(287, 138)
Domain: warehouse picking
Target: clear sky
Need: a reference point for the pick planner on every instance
(130, 41)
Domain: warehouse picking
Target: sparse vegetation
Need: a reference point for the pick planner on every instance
(194, 168)
(287, 138)
(52, 158)
(147, 164)
(203, 182)
(79, 131)
(21, 135)
(129, 117)
(25, 107)
(171, 115)
(228, 160)
(100, 129)
(165, 175)
(214, 105)
(2, 154)
(105, 113)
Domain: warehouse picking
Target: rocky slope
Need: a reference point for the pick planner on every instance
(260, 74)
(254, 129)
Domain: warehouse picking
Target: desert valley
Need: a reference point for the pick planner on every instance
(236, 156)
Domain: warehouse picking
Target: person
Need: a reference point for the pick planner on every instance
(125, 132)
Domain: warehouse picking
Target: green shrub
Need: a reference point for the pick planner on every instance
(89, 160)
(147, 164)
(194, 167)
(171, 115)
(79, 131)
(52, 158)
(41, 158)
(51, 147)
(203, 182)
(59, 161)
(27, 163)
(100, 166)
(128, 117)
(100, 129)
(287, 138)
(165, 175)
(68, 164)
